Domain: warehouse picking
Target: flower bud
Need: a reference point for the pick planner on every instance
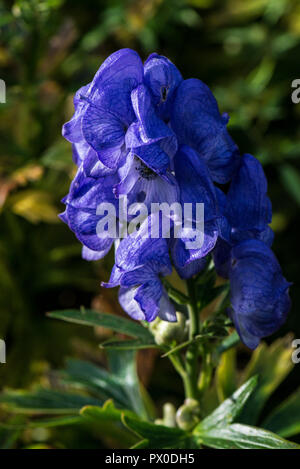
(165, 333)
(188, 415)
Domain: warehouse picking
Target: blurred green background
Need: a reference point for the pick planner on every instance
(247, 51)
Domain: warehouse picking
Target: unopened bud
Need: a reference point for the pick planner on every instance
(188, 415)
(165, 333)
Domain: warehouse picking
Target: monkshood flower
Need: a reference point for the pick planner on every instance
(197, 122)
(103, 109)
(116, 126)
(142, 133)
(140, 261)
(259, 293)
(146, 175)
(246, 211)
(81, 214)
(162, 78)
(196, 186)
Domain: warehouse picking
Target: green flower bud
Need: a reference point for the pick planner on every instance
(188, 415)
(165, 333)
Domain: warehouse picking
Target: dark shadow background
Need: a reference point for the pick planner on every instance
(246, 51)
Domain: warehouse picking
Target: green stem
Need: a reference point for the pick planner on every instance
(179, 367)
(206, 372)
(192, 352)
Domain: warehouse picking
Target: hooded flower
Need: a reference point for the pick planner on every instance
(259, 293)
(196, 187)
(144, 132)
(197, 122)
(162, 79)
(103, 109)
(146, 175)
(81, 215)
(246, 211)
(140, 261)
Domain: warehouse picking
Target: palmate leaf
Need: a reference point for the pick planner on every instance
(285, 419)
(88, 317)
(238, 436)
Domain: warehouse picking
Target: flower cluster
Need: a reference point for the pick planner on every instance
(142, 131)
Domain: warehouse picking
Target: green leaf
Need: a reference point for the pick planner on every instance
(56, 422)
(108, 419)
(92, 318)
(226, 375)
(135, 344)
(107, 412)
(229, 410)
(157, 436)
(229, 342)
(92, 378)
(123, 366)
(285, 419)
(272, 364)
(238, 436)
(46, 401)
(142, 444)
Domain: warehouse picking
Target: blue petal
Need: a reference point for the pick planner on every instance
(72, 130)
(197, 122)
(188, 262)
(104, 132)
(162, 79)
(148, 297)
(154, 157)
(222, 257)
(248, 207)
(136, 251)
(185, 266)
(149, 128)
(249, 339)
(259, 293)
(167, 310)
(195, 182)
(82, 201)
(129, 303)
(142, 186)
(123, 69)
(93, 167)
(115, 278)
(90, 255)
